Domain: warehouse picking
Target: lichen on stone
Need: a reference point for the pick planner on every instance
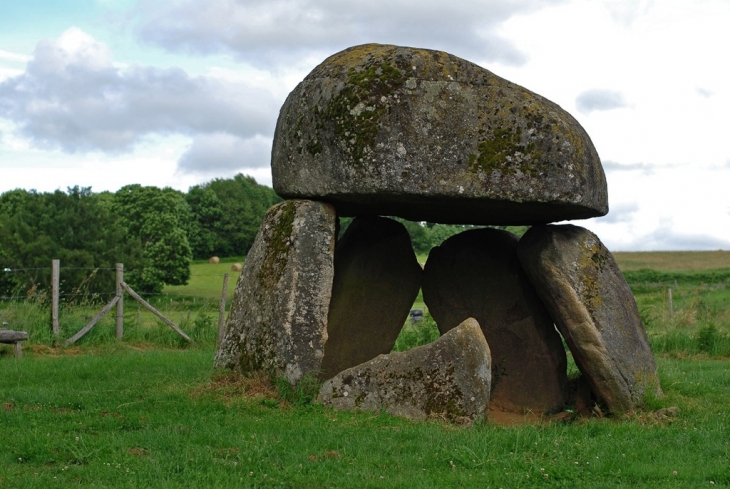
(590, 266)
(355, 112)
(279, 246)
(506, 152)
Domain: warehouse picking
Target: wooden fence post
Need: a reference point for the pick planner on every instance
(55, 286)
(222, 310)
(120, 303)
(671, 306)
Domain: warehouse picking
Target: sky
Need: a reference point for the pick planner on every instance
(105, 93)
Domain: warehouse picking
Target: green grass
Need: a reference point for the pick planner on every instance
(150, 412)
(675, 261)
(206, 280)
(126, 418)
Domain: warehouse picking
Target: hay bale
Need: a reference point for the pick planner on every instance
(214, 260)
(236, 267)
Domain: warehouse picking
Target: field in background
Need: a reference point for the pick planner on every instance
(673, 261)
(697, 320)
(150, 412)
(206, 279)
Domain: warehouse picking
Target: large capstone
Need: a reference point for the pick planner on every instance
(278, 318)
(449, 379)
(388, 130)
(580, 283)
(377, 278)
(477, 274)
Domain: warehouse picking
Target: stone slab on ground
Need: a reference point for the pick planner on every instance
(449, 379)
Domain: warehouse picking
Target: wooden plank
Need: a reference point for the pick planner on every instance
(154, 311)
(9, 336)
(93, 321)
(18, 349)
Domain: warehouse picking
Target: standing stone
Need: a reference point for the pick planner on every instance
(580, 283)
(425, 135)
(449, 378)
(377, 278)
(477, 274)
(278, 317)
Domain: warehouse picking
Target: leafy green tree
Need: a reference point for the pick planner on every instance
(235, 218)
(207, 213)
(156, 243)
(74, 226)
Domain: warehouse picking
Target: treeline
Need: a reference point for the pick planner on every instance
(154, 232)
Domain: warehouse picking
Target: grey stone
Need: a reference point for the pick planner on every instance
(377, 278)
(594, 309)
(449, 378)
(477, 274)
(278, 317)
(388, 130)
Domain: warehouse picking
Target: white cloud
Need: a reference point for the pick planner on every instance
(668, 239)
(622, 212)
(703, 92)
(599, 99)
(72, 97)
(8, 56)
(272, 32)
(645, 168)
(626, 12)
(213, 153)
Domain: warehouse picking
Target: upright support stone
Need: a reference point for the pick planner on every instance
(477, 274)
(377, 278)
(278, 317)
(580, 283)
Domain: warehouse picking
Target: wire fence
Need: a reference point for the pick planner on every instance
(55, 314)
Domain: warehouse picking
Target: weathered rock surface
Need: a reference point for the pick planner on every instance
(377, 278)
(278, 317)
(580, 283)
(477, 274)
(449, 378)
(388, 130)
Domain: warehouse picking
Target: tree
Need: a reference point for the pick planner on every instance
(156, 243)
(207, 213)
(74, 226)
(231, 220)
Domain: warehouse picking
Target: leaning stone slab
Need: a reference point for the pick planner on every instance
(425, 135)
(580, 283)
(377, 278)
(477, 274)
(449, 378)
(278, 317)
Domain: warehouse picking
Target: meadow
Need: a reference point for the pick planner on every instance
(149, 411)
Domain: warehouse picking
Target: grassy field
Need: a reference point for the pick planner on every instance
(673, 261)
(150, 412)
(126, 418)
(206, 280)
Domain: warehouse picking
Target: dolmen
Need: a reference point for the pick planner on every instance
(380, 130)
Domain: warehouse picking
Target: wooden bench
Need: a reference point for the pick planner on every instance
(8, 336)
